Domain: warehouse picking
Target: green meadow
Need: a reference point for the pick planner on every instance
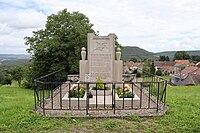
(183, 115)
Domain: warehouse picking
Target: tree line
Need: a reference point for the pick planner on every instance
(8, 75)
(181, 55)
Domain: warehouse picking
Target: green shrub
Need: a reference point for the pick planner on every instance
(99, 81)
(77, 92)
(159, 72)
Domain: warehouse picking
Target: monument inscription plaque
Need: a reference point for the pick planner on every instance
(101, 57)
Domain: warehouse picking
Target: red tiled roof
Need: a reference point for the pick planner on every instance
(197, 71)
(164, 63)
(195, 78)
(191, 74)
(128, 63)
(188, 70)
(166, 68)
(192, 64)
(131, 63)
(182, 61)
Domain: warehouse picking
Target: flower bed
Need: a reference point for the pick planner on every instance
(76, 92)
(100, 89)
(125, 92)
(125, 97)
(75, 98)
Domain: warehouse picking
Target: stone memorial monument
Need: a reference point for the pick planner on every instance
(101, 60)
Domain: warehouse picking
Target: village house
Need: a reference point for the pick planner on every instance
(129, 66)
(180, 65)
(166, 67)
(190, 75)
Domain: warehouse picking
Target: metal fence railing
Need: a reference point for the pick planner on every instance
(56, 91)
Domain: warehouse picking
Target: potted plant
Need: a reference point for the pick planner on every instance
(125, 97)
(100, 89)
(76, 92)
(125, 92)
(75, 97)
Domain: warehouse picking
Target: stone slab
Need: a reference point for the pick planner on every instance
(101, 55)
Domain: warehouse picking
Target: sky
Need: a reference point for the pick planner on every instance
(154, 25)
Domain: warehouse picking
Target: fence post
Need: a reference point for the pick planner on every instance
(141, 94)
(35, 95)
(87, 99)
(113, 97)
(165, 93)
(43, 99)
(158, 95)
(60, 96)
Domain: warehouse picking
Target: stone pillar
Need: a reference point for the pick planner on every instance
(83, 66)
(118, 54)
(118, 66)
(83, 53)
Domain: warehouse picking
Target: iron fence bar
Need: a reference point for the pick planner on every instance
(123, 96)
(43, 102)
(132, 96)
(135, 108)
(112, 95)
(87, 99)
(40, 96)
(114, 98)
(164, 87)
(165, 93)
(51, 96)
(42, 77)
(141, 95)
(104, 96)
(158, 96)
(78, 94)
(46, 89)
(99, 109)
(60, 96)
(35, 95)
(49, 90)
(149, 97)
(69, 95)
(96, 97)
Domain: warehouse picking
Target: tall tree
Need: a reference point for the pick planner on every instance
(59, 43)
(5, 78)
(152, 68)
(167, 58)
(163, 58)
(149, 66)
(133, 59)
(17, 74)
(195, 58)
(181, 55)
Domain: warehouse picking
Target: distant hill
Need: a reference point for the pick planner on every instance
(171, 54)
(129, 52)
(13, 59)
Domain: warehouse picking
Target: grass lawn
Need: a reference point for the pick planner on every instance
(183, 115)
(166, 77)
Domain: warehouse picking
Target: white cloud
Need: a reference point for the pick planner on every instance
(15, 24)
(151, 24)
(22, 19)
